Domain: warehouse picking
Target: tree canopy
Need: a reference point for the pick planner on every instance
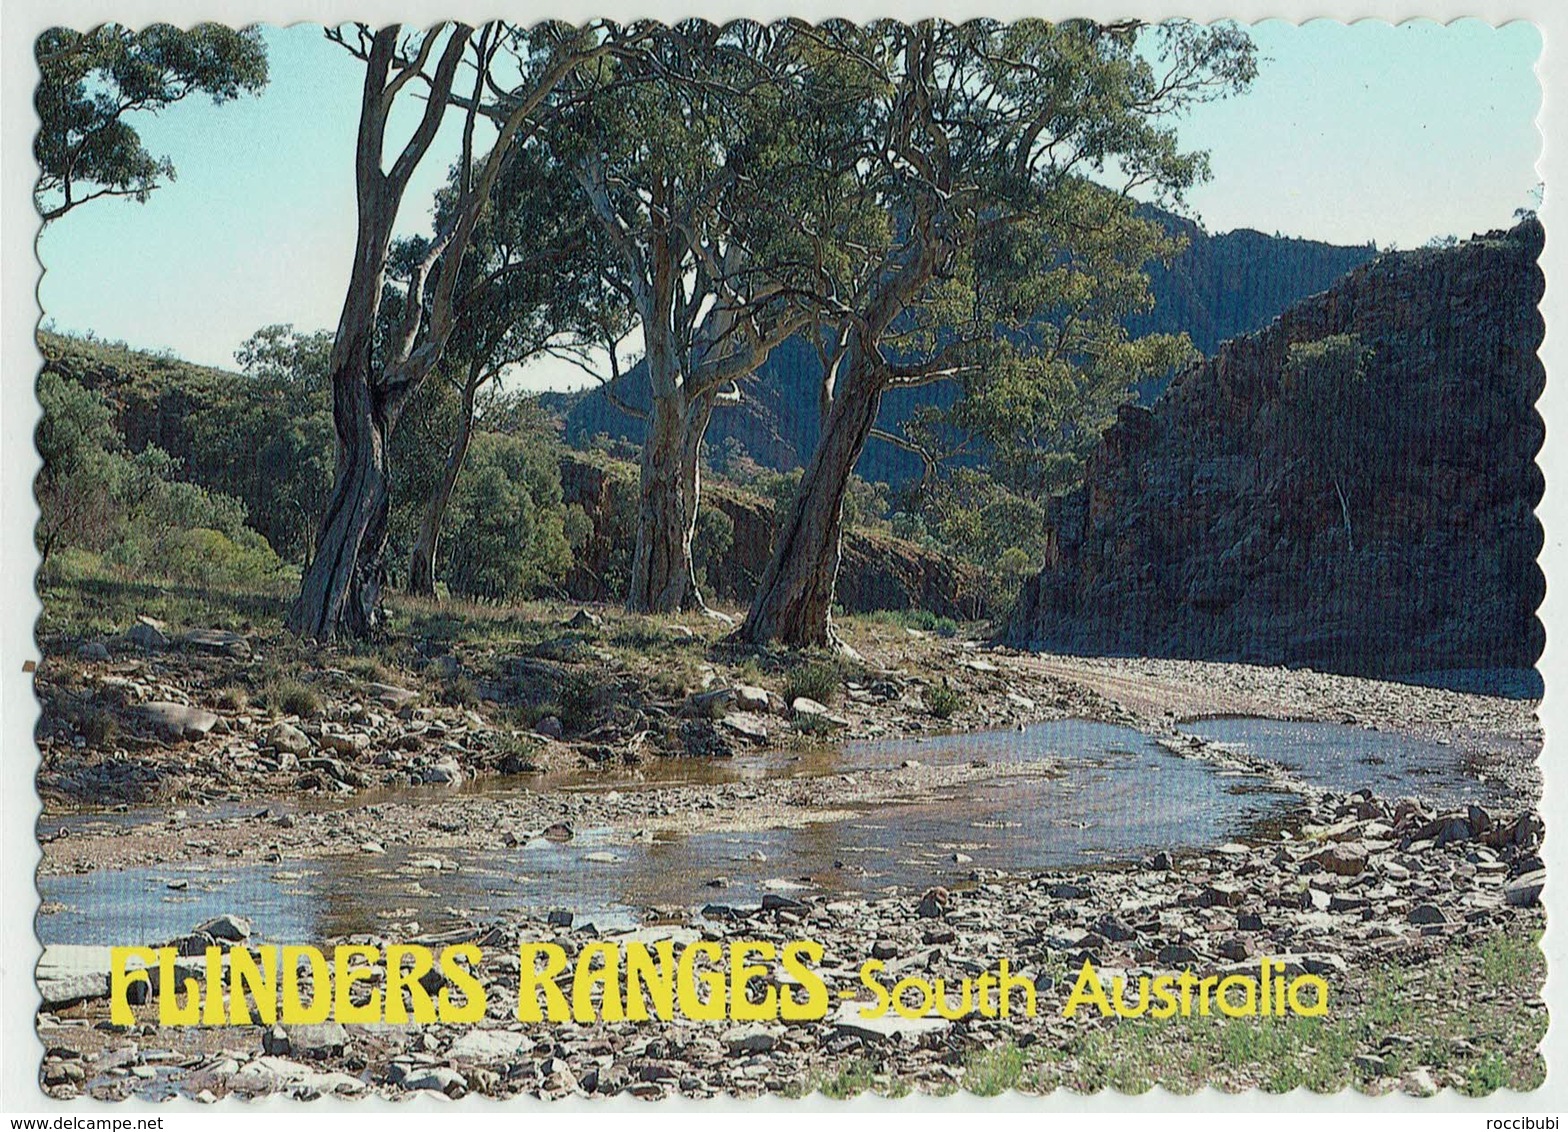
(92, 85)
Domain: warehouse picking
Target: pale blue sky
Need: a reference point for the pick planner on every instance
(1350, 133)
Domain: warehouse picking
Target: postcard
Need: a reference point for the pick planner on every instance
(677, 559)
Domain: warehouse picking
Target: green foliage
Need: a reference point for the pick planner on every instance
(820, 680)
(505, 530)
(128, 508)
(134, 441)
(92, 86)
(266, 441)
(458, 691)
(712, 542)
(580, 699)
(921, 619)
(944, 701)
(1330, 412)
(97, 726)
(288, 696)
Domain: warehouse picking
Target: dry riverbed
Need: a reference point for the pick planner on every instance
(632, 727)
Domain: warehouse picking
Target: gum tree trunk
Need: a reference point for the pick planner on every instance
(341, 590)
(422, 559)
(794, 602)
(663, 576)
(660, 561)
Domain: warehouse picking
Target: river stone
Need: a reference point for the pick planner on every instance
(1177, 955)
(1443, 830)
(806, 707)
(93, 650)
(325, 1039)
(391, 694)
(890, 1026)
(345, 744)
(218, 641)
(330, 767)
(746, 726)
(287, 737)
(437, 1078)
(227, 927)
(270, 1074)
(489, 1046)
(69, 973)
(178, 721)
(1221, 895)
(752, 698)
(678, 934)
(933, 903)
(147, 634)
(712, 702)
(755, 1038)
(1346, 859)
(1427, 914)
(1525, 891)
(444, 773)
(275, 1042)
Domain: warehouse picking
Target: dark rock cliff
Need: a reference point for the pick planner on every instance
(1215, 525)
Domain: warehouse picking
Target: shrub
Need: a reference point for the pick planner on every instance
(818, 680)
(944, 701)
(232, 698)
(97, 727)
(505, 531)
(290, 697)
(921, 619)
(459, 691)
(580, 698)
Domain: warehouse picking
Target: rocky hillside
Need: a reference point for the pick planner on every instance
(1221, 286)
(878, 572)
(1385, 527)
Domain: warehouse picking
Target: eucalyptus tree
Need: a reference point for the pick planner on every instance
(514, 75)
(684, 158)
(991, 150)
(93, 84)
(530, 286)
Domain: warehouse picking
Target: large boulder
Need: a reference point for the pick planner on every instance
(178, 721)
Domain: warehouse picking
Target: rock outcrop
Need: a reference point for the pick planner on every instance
(1392, 535)
(878, 572)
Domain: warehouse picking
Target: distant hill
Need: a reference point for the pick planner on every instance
(1220, 287)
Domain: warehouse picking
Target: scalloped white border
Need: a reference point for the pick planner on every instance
(20, 273)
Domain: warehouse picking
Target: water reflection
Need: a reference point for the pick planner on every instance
(1347, 758)
(1117, 796)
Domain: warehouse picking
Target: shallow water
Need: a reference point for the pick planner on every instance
(1344, 757)
(1118, 796)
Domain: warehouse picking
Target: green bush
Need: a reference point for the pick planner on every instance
(505, 531)
(921, 619)
(288, 696)
(818, 680)
(131, 509)
(580, 699)
(944, 701)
